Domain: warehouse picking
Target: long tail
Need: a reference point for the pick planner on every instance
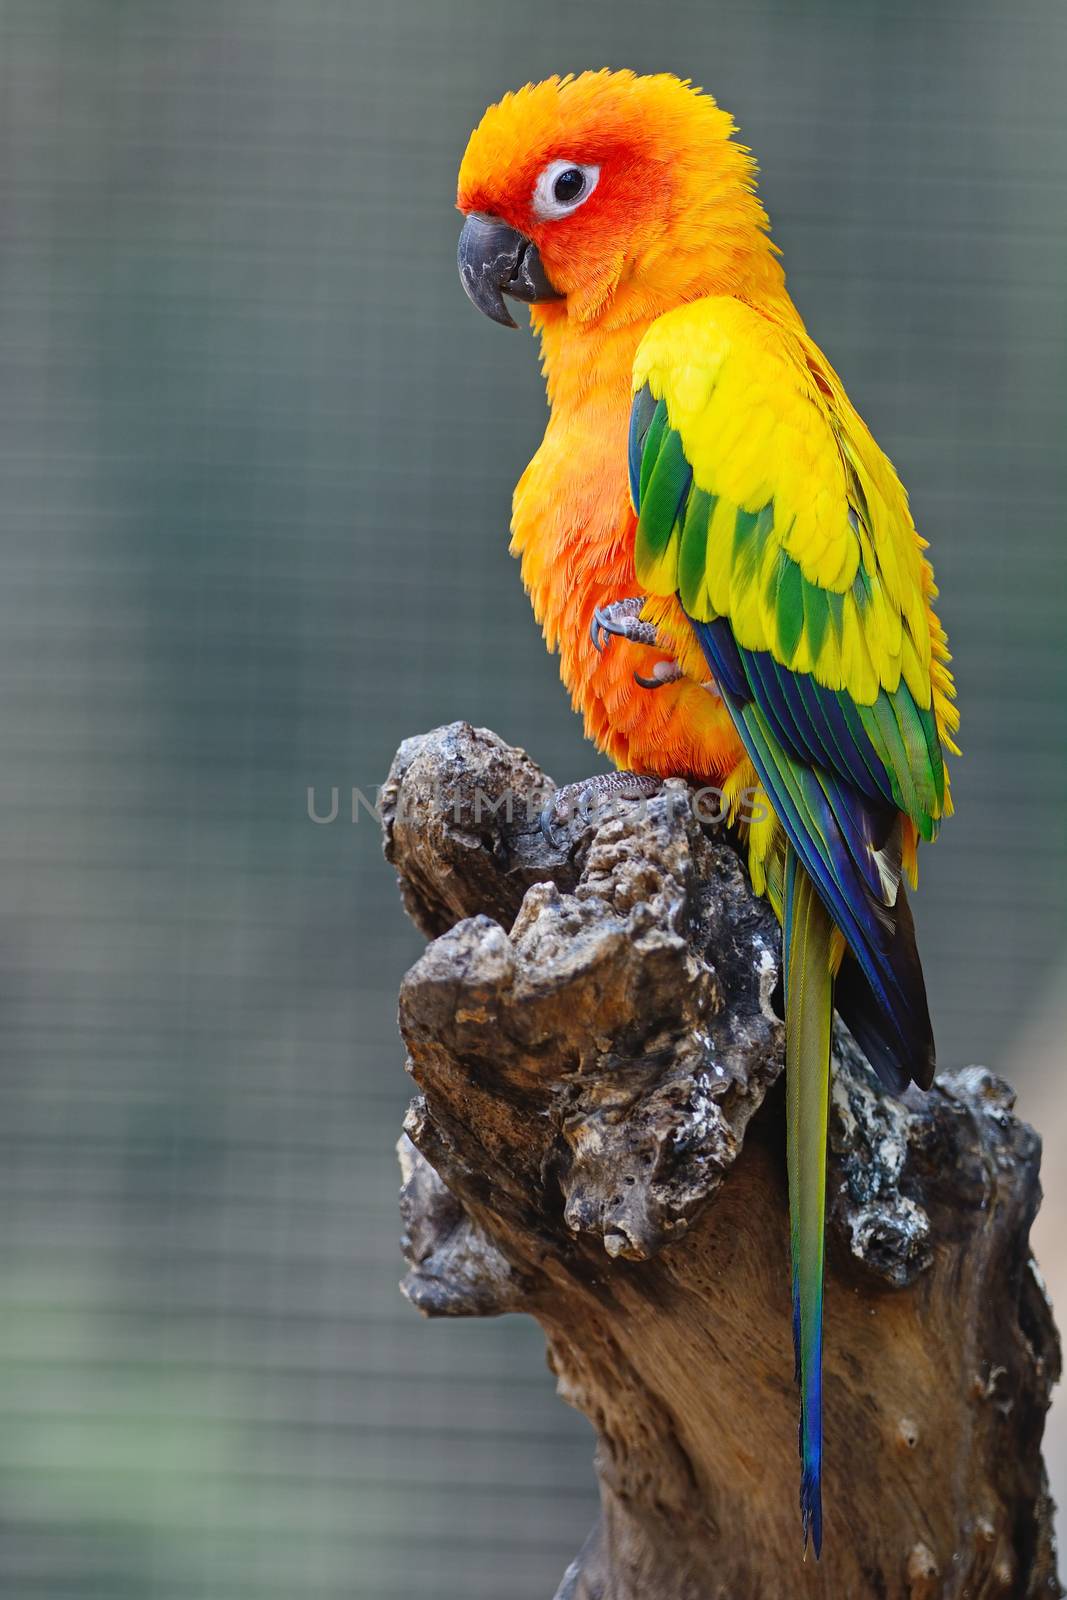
(808, 1012)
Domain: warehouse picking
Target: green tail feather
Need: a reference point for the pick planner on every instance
(808, 1013)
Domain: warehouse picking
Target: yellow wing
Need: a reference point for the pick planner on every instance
(798, 530)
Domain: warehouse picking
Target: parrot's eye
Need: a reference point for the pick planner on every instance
(562, 188)
(569, 185)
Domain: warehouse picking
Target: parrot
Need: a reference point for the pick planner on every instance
(726, 563)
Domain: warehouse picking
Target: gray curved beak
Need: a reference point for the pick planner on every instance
(494, 260)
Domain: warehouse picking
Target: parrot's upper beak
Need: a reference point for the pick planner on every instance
(495, 260)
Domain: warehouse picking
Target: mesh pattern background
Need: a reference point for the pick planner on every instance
(256, 454)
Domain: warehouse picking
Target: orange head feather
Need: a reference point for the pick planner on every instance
(673, 213)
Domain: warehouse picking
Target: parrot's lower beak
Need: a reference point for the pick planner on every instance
(495, 260)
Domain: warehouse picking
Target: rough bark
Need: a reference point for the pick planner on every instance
(598, 1141)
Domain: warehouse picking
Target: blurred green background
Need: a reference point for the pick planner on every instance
(255, 461)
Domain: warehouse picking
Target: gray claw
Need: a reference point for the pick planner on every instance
(623, 620)
(546, 823)
(663, 672)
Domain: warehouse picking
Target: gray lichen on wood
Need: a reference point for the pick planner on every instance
(597, 1141)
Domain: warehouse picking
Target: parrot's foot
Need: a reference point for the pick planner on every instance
(623, 620)
(593, 795)
(663, 672)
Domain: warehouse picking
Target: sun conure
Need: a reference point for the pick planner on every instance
(707, 496)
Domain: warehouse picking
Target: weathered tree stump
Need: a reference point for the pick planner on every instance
(598, 1140)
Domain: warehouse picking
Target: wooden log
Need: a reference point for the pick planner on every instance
(598, 1141)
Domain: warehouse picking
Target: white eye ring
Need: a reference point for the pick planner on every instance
(546, 203)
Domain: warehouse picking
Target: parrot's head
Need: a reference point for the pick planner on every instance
(607, 193)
